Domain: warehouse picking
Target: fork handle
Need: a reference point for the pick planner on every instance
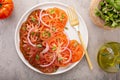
(86, 53)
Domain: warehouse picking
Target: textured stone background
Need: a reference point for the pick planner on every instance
(12, 68)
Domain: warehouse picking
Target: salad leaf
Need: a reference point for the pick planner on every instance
(109, 11)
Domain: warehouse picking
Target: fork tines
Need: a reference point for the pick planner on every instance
(73, 17)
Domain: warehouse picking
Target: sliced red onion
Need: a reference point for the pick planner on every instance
(29, 41)
(43, 16)
(43, 21)
(64, 48)
(46, 15)
(70, 57)
(40, 16)
(46, 65)
(46, 49)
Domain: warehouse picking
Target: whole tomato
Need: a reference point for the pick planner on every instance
(6, 8)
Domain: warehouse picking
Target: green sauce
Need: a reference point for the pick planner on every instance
(109, 57)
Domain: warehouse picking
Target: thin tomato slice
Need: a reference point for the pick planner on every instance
(59, 17)
(77, 50)
(45, 33)
(58, 41)
(64, 58)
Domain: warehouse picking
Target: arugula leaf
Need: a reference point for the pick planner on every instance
(109, 12)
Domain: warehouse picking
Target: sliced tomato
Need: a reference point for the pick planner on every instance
(50, 69)
(58, 41)
(59, 17)
(77, 50)
(45, 33)
(64, 58)
(34, 17)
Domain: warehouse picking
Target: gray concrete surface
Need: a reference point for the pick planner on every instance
(12, 67)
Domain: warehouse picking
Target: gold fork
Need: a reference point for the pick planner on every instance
(74, 22)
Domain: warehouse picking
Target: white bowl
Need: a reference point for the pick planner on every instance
(72, 34)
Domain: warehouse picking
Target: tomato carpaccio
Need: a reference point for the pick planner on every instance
(44, 43)
(6, 8)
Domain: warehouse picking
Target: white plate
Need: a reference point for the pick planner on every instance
(71, 33)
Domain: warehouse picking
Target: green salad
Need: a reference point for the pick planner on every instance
(109, 11)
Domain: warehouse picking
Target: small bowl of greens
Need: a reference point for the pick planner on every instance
(105, 13)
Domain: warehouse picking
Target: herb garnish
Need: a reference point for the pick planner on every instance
(66, 28)
(39, 46)
(32, 33)
(75, 44)
(62, 17)
(54, 48)
(52, 11)
(46, 33)
(24, 28)
(33, 18)
(60, 59)
(37, 57)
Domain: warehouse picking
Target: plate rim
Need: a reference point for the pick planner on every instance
(17, 29)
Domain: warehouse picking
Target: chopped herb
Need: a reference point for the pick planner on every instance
(37, 57)
(33, 18)
(102, 3)
(75, 44)
(66, 28)
(32, 33)
(46, 33)
(24, 28)
(62, 17)
(39, 45)
(52, 11)
(60, 59)
(54, 48)
(49, 34)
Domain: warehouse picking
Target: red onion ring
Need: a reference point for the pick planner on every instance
(43, 16)
(67, 43)
(46, 65)
(46, 49)
(70, 57)
(40, 15)
(29, 41)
